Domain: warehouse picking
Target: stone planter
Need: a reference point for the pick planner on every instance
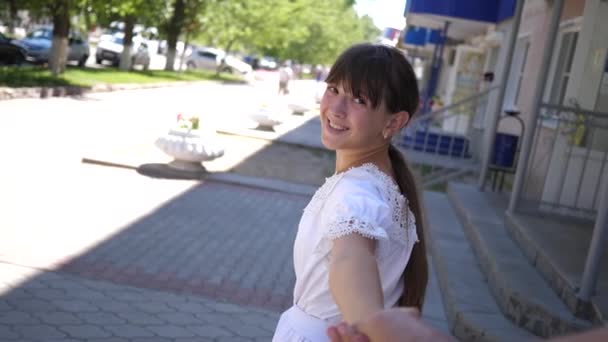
(190, 148)
(266, 119)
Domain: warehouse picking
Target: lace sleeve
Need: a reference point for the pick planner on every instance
(356, 208)
(349, 221)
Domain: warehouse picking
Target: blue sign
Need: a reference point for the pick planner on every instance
(421, 36)
(492, 11)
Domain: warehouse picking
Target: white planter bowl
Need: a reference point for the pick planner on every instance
(190, 148)
(266, 119)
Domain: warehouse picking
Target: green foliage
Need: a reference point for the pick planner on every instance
(309, 31)
(147, 12)
(312, 31)
(329, 30)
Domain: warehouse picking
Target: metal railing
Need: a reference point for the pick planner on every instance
(446, 131)
(569, 161)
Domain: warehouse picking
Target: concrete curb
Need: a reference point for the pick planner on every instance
(550, 272)
(9, 93)
(163, 171)
(291, 137)
(472, 311)
(263, 183)
(520, 292)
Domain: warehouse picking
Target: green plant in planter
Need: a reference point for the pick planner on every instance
(189, 123)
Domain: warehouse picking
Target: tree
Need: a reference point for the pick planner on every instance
(187, 17)
(312, 31)
(12, 7)
(129, 12)
(174, 29)
(193, 23)
(60, 12)
(253, 24)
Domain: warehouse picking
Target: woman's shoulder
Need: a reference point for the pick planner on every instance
(366, 179)
(367, 197)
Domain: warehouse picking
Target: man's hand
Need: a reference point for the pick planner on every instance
(392, 325)
(345, 333)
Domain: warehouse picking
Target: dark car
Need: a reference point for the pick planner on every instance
(10, 53)
(39, 42)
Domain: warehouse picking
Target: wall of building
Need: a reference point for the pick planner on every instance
(550, 168)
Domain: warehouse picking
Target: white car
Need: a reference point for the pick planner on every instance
(211, 59)
(268, 63)
(110, 48)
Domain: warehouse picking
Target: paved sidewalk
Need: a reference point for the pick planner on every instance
(212, 262)
(51, 306)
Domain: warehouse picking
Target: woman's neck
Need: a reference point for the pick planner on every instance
(378, 156)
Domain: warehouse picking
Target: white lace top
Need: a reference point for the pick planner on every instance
(362, 200)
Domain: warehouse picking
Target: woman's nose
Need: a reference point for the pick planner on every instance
(338, 106)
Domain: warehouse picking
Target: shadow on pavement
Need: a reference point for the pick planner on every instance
(214, 261)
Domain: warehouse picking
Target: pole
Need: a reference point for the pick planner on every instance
(543, 73)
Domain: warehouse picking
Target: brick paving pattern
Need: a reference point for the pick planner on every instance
(54, 306)
(218, 240)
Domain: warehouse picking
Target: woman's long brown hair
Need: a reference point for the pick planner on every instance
(384, 75)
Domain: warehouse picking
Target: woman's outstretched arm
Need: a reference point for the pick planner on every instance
(354, 279)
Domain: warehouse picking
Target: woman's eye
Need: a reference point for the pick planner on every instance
(360, 100)
(332, 89)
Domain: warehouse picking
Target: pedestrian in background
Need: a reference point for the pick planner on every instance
(285, 75)
(360, 243)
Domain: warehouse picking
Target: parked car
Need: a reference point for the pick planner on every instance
(162, 48)
(110, 49)
(212, 59)
(268, 63)
(38, 46)
(10, 53)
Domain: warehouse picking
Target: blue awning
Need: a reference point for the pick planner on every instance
(490, 11)
(467, 18)
(421, 36)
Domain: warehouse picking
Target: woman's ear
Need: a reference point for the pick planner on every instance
(396, 122)
(404, 118)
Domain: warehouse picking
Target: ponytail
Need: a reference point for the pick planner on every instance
(415, 276)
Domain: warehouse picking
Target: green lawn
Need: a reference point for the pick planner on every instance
(85, 77)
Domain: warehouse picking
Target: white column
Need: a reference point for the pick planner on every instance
(590, 55)
(598, 242)
(530, 129)
(586, 76)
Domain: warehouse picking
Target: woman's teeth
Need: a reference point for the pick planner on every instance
(336, 127)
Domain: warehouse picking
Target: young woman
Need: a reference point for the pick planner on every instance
(360, 247)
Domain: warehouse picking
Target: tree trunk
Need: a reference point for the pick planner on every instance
(61, 30)
(87, 16)
(125, 57)
(12, 20)
(222, 64)
(173, 31)
(186, 42)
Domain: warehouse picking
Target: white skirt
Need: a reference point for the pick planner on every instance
(296, 325)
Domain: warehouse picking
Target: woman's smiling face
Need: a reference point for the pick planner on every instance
(349, 122)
